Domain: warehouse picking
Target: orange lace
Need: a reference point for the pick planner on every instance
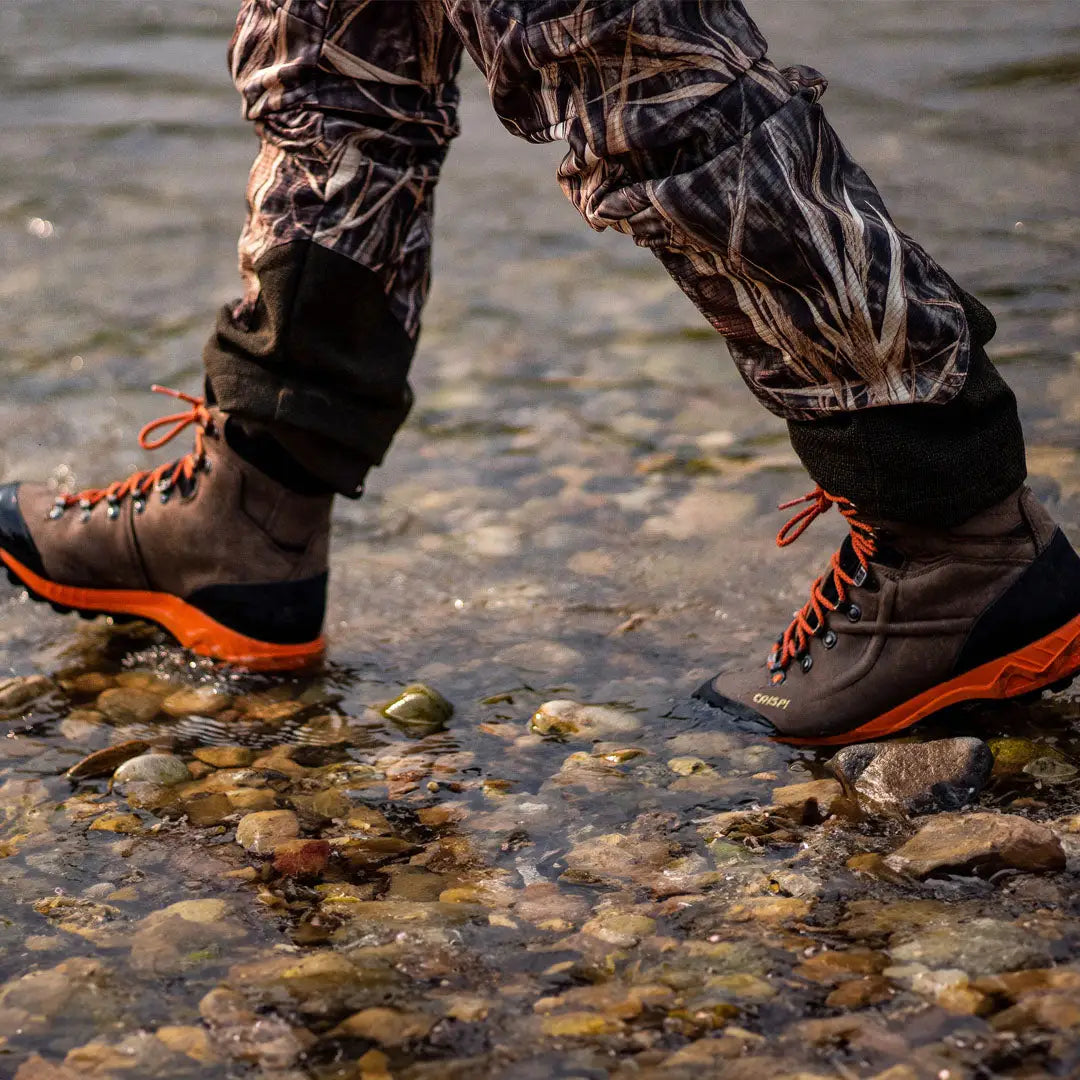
(142, 483)
(797, 636)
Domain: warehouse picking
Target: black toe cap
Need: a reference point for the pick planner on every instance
(708, 693)
(15, 537)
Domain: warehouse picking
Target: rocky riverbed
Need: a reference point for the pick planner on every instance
(263, 877)
(494, 838)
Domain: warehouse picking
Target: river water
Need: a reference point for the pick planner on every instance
(580, 507)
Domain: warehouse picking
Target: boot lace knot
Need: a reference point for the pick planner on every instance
(810, 618)
(163, 478)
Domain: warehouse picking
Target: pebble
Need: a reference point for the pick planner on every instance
(261, 832)
(225, 757)
(301, 858)
(161, 769)
(129, 705)
(20, 691)
(419, 709)
(205, 701)
(980, 843)
(570, 719)
(915, 778)
(387, 1027)
(808, 803)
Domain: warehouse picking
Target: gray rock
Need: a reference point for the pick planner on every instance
(419, 710)
(976, 946)
(162, 769)
(915, 778)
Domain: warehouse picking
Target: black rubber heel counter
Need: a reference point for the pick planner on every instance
(1045, 596)
(281, 612)
(15, 536)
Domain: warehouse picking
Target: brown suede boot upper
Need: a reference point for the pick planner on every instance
(227, 524)
(899, 632)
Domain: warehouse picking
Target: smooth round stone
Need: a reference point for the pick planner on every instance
(265, 830)
(419, 707)
(563, 718)
(129, 705)
(162, 769)
(202, 700)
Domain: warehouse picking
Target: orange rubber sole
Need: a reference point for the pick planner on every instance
(1052, 659)
(191, 628)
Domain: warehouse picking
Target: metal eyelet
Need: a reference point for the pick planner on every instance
(57, 511)
(828, 639)
(807, 663)
(854, 613)
(165, 493)
(138, 505)
(778, 678)
(860, 576)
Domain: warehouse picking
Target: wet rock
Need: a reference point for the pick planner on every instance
(36, 1002)
(1015, 985)
(204, 701)
(619, 928)
(834, 966)
(225, 757)
(20, 691)
(387, 1027)
(979, 843)
(35, 1067)
(139, 1051)
(127, 824)
(1048, 1012)
(250, 800)
(321, 982)
(688, 766)
(106, 762)
(809, 803)
(301, 858)
(1011, 756)
(184, 936)
(189, 1040)
(419, 710)
(859, 992)
(77, 915)
(129, 705)
(580, 1025)
(654, 863)
(565, 719)
(915, 778)
(207, 808)
(769, 909)
(974, 946)
(261, 832)
(161, 769)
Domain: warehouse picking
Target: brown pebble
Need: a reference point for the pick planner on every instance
(301, 858)
(858, 993)
(225, 757)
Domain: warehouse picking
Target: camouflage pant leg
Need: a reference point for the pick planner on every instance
(684, 135)
(355, 105)
(681, 133)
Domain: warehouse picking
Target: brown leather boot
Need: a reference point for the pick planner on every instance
(223, 557)
(909, 620)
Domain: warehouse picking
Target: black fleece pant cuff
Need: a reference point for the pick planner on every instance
(320, 362)
(923, 464)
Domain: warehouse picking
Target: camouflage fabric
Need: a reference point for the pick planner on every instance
(681, 133)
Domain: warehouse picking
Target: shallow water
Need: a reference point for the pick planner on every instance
(580, 507)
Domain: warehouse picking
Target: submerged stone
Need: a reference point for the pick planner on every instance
(979, 843)
(162, 769)
(106, 762)
(264, 830)
(975, 946)
(129, 705)
(419, 709)
(565, 719)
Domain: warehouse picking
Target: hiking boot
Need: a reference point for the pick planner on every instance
(909, 620)
(228, 561)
